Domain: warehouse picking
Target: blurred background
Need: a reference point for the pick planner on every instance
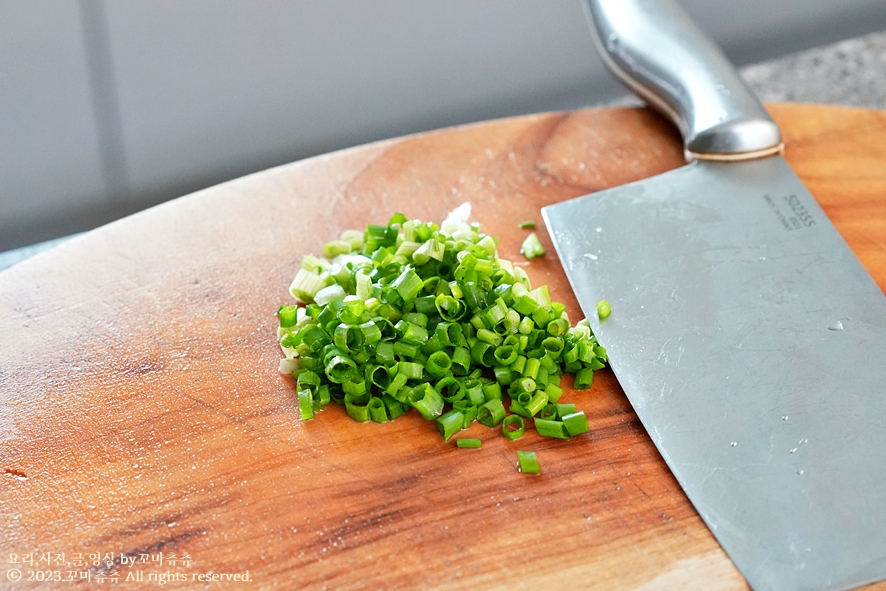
(111, 106)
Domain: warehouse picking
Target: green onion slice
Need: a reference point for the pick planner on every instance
(550, 428)
(450, 423)
(491, 413)
(531, 247)
(576, 423)
(603, 309)
(528, 462)
(513, 427)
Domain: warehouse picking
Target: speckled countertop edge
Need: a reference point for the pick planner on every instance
(851, 72)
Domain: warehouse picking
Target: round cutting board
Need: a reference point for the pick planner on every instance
(145, 432)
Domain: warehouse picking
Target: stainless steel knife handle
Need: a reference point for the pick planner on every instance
(656, 49)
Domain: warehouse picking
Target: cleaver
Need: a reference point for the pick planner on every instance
(747, 336)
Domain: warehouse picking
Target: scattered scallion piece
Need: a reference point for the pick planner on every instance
(305, 405)
(603, 309)
(531, 247)
(527, 224)
(415, 315)
(469, 443)
(576, 423)
(450, 424)
(528, 462)
(513, 427)
(549, 428)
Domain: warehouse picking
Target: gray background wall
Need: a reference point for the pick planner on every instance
(110, 106)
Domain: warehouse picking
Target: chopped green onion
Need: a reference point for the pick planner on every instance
(340, 369)
(314, 264)
(416, 318)
(438, 364)
(491, 413)
(329, 294)
(305, 405)
(565, 409)
(336, 247)
(531, 368)
(377, 410)
(557, 327)
(427, 251)
(412, 314)
(408, 284)
(384, 353)
(394, 406)
(397, 387)
(371, 332)
(466, 442)
(412, 333)
(412, 371)
(468, 409)
(513, 426)
(518, 409)
(450, 423)
(349, 338)
(474, 392)
(603, 309)
(406, 349)
(461, 361)
(483, 354)
(354, 238)
(357, 387)
(549, 412)
(426, 401)
(528, 462)
(398, 218)
(539, 400)
(492, 391)
(306, 285)
(551, 428)
(489, 337)
(584, 378)
(526, 324)
(288, 315)
(554, 392)
(576, 423)
(378, 236)
(541, 296)
(527, 224)
(355, 409)
(531, 247)
(449, 388)
(526, 385)
(406, 249)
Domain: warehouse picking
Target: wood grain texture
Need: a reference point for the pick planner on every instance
(141, 411)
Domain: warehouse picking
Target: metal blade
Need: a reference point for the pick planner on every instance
(752, 344)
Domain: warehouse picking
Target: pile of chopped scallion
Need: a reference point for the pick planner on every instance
(415, 315)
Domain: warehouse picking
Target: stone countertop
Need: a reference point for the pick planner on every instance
(851, 72)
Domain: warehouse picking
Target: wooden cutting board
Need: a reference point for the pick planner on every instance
(145, 432)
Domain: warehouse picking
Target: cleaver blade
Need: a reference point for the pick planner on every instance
(746, 334)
